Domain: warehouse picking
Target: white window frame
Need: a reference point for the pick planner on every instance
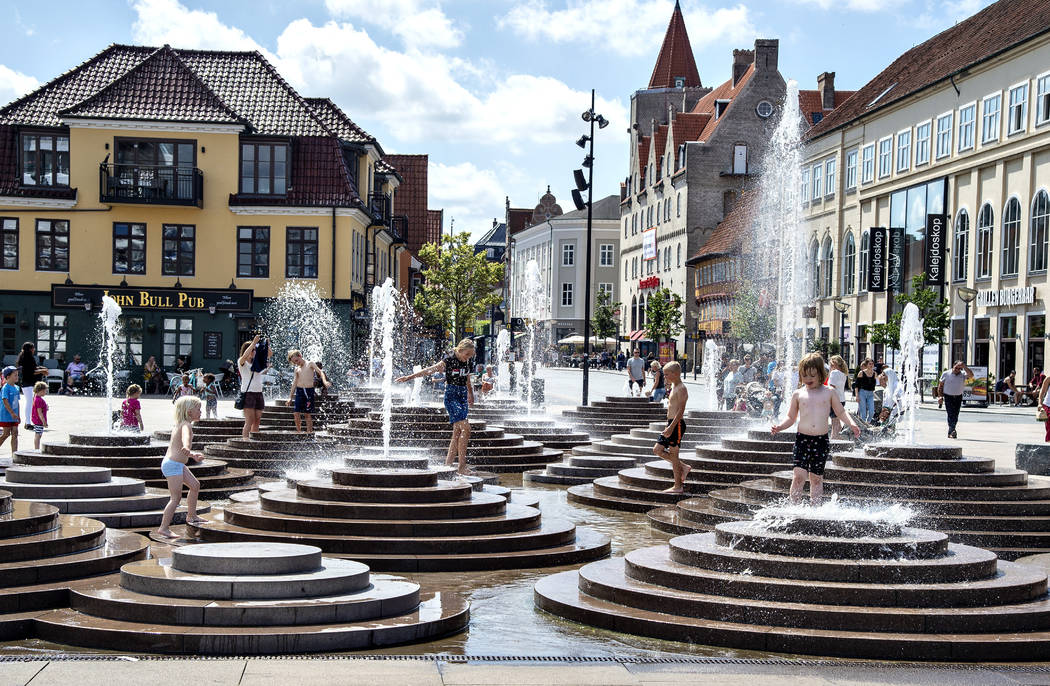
(943, 134)
(967, 130)
(605, 287)
(1042, 109)
(1022, 105)
(829, 178)
(885, 157)
(922, 144)
(867, 164)
(606, 255)
(987, 135)
(568, 255)
(904, 150)
(817, 178)
(852, 157)
(566, 293)
(805, 186)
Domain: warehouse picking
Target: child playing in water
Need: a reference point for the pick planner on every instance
(302, 394)
(209, 393)
(670, 440)
(10, 395)
(183, 390)
(174, 469)
(131, 409)
(39, 415)
(812, 405)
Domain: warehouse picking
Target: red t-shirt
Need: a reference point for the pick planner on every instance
(39, 410)
(128, 409)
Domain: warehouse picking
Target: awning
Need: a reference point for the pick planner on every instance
(638, 335)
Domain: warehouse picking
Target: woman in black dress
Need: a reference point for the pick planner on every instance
(31, 372)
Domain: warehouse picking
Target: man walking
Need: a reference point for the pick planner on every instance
(636, 372)
(950, 391)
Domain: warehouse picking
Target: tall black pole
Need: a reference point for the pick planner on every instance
(587, 271)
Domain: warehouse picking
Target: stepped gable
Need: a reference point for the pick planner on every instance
(676, 56)
(251, 599)
(798, 584)
(404, 520)
(739, 458)
(1004, 510)
(134, 458)
(43, 553)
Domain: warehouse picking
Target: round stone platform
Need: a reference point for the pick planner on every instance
(251, 599)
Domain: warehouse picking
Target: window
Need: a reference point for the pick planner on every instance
(45, 159)
(818, 188)
(264, 168)
(827, 264)
(961, 246)
(178, 251)
(1017, 114)
(129, 248)
(605, 255)
(568, 255)
(253, 251)
(966, 126)
(849, 265)
(814, 261)
(634, 267)
(1011, 238)
(904, 150)
(51, 335)
(991, 106)
(178, 339)
(129, 341)
(922, 143)
(300, 260)
(764, 109)
(9, 242)
(1042, 100)
(804, 191)
(864, 240)
(944, 135)
(52, 245)
(625, 227)
(678, 209)
(885, 157)
(851, 169)
(739, 159)
(984, 242)
(867, 164)
(634, 223)
(606, 288)
(829, 177)
(679, 250)
(566, 295)
(1037, 247)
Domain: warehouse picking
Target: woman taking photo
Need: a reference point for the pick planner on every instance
(252, 384)
(459, 395)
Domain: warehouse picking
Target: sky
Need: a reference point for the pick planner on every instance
(492, 90)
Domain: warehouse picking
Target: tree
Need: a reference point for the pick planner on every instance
(663, 315)
(932, 308)
(751, 323)
(603, 324)
(458, 284)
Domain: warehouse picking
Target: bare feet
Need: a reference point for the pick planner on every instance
(195, 520)
(685, 471)
(674, 489)
(466, 471)
(167, 533)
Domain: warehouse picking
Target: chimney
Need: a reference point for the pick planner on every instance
(742, 59)
(826, 86)
(766, 53)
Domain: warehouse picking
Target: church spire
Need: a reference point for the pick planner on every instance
(675, 61)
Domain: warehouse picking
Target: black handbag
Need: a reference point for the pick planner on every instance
(238, 404)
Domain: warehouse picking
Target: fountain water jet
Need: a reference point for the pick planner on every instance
(384, 300)
(502, 348)
(912, 340)
(299, 317)
(711, 360)
(110, 325)
(534, 310)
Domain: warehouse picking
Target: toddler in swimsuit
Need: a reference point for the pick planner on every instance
(174, 469)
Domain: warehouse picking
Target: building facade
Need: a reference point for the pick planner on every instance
(189, 185)
(944, 167)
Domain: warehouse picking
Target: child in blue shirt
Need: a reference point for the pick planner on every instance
(10, 394)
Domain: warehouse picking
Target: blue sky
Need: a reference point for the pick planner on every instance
(491, 89)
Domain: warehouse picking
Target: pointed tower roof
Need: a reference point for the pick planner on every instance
(676, 56)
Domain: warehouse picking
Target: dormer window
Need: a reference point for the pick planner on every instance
(45, 159)
(264, 168)
(720, 107)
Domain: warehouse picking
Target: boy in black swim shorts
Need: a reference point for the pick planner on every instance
(302, 394)
(670, 440)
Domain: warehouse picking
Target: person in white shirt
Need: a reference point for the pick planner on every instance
(837, 380)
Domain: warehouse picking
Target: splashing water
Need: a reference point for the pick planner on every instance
(384, 298)
(911, 343)
(833, 510)
(534, 310)
(109, 322)
(502, 348)
(712, 357)
(300, 318)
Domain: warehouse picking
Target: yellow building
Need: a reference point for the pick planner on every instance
(190, 185)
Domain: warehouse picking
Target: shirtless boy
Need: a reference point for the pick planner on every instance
(302, 394)
(812, 405)
(670, 440)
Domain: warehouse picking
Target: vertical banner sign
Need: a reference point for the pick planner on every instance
(933, 260)
(877, 260)
(649, 244)
(895, 261)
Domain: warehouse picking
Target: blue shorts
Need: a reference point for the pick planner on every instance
(171, 467)
(456, 403)
(304, 401)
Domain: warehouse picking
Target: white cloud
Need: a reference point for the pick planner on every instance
(944, 13)
(14, 84)
(417, 23)
(468, 194)
(855, 5)
(628, 27)
(169, 21)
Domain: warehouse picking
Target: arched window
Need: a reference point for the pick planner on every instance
(667, 210)
(1037, 247)
(679, 207)
(985, 221)
(625, 227)
(961, 246)
(826, 268)
(814, 261)
(634, 313)
(679, 249)
(849, 265)
(1011, 238)
(865, 239)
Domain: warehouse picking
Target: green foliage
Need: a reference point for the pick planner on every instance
(603, 323)
(751, 323)
(458, 284)
(825, 348)
(932, 308)
(663, 315)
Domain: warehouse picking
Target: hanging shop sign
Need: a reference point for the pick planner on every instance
(895, 261)
(651, 282)
(1021, 295)
(179, 299)
(933, 255)
(877, 260)
(649, 244)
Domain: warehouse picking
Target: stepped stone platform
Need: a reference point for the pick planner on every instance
(974, 503)
(795, 583)
(272, 453)
(134, 456)
(405, 520)
(513, 416)
(607, 457)
(614, 415)
(427, 429)
(44, 552)
(251, 599)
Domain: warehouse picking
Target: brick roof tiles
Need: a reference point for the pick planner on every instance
(676, 56)
(810, 102)
(731, 232)
(726, 91)
(412, 196)
(336, 120)
(435, 225)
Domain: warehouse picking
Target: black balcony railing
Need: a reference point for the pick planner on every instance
(398, 227)
(150, 185)
(379, 209)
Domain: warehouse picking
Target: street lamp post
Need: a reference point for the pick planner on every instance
(842, 308)
(967, 295)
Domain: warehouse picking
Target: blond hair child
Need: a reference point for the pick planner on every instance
(174, 469)
(131, 409)
(38, 417)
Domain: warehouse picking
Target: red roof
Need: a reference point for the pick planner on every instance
(518, 218)
(685, 128)
(676, 56)
(412, 196)
(811, 102)
(726, 91)
(435, 225)
(643, 156)
(732, 231)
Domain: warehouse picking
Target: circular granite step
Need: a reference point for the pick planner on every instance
(246, 558)
(58, 474)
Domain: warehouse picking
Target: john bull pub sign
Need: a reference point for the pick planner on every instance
(172, 299)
